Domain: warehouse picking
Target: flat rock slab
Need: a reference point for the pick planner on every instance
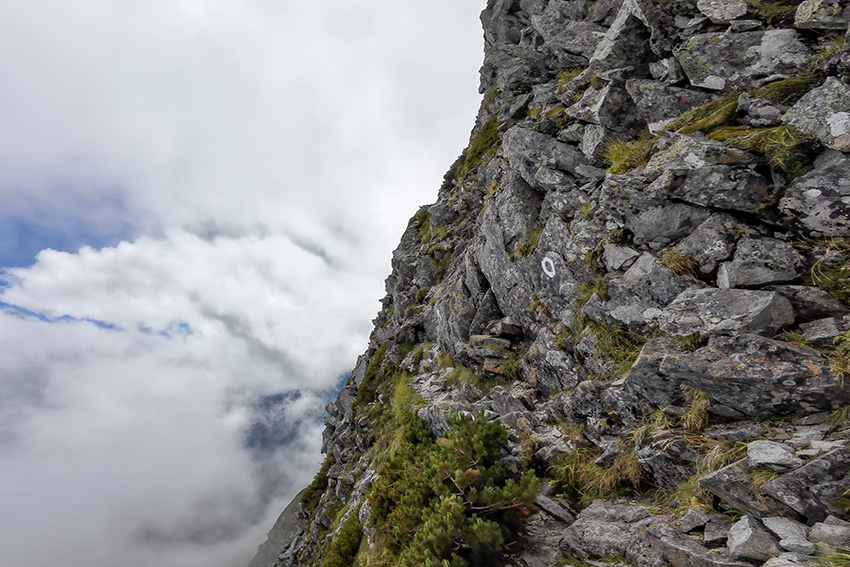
(712, 242)
(722, 11)
(820, 199)
(724, 187)
(682, 551)
(771, 455)
(658, 102)
(831, 531)
(680, 153)
(823, 15)
(749, 375)
(711, 310)
(791, 533)
(606, 528)
(733, 486)
(824, 113)
(722, 61)
(818, 489)
(528, 151)
(749, 539)
(761, 261)
(809, 302)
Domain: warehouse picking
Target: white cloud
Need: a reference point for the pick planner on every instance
(257, 161)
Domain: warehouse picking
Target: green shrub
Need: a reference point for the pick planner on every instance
(345, 543)
(313, 493)
(448, 502)
(480, 147)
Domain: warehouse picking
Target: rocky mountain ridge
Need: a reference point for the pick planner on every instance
(621, 333)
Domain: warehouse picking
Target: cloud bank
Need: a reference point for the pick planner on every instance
(198, 201)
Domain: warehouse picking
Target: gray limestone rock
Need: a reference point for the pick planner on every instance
(707, 311)
(791, 533)
(680, 153)
(606, 528)
(771, 455)
(283, 539)
(824, 113)
(661, 469)
(761, 261)
(733, 486)
(823, 331)
(625, 43)
(694, 518)
(722, 11)
(809, 302)
(682, 551)
(820, 199)
(564, 35)
(818, 489)
(609, 106)
(528, 151)
(645, 388)
(750, 540)
(638, 296)
(618, 257)
(660, 226)
(550, 367)
(832, 531)
(791, 560)
(711, 242)
(822, 15)
(759, 112)
(743, 60)
(658, 103)
(667, 70)
(716, 530)
(749, 375)
(724, 187)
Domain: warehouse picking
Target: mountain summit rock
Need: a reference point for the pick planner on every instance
(620, 333)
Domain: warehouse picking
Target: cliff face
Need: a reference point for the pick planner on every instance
(634, 285)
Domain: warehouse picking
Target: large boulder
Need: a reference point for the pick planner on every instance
(824, 113)
(658, 102)
(761, 261)
(724, 187)
(608, 528)
(820, 200)
(727, 61)
(531, 153)
(752, 376)
(749, 539)
(822, 15)
(733, 485)
(711, 310)
(818, 489)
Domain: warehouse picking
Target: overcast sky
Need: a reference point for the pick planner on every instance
(198, 204)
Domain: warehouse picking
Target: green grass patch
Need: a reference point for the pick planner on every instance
(786, 91)
(831, 272)
(568, 75)
(623, 157)
(313, 493)
(709, 115)
(529, 242)
(680, 264)
(775, 11)
(481, 147)
(783, 146)
(580, 478)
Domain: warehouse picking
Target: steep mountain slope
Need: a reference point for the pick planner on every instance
(621, 332)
